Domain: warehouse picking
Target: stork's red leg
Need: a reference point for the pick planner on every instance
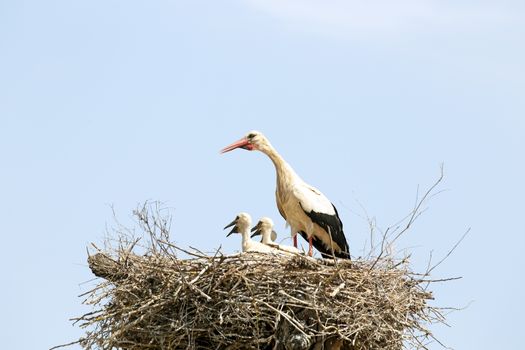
(295, 240)
(310, 247)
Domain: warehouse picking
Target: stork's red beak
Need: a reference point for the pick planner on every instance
(242, 143)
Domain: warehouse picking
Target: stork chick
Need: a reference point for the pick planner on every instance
(241, 225)
(265, 228)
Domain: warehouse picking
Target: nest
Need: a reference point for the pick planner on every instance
(149, 297)
(254, 301)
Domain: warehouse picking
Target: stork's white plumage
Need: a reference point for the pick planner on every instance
(305, 208)
(241, 225)
(265, 228)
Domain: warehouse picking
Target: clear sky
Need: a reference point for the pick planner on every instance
(117, 102)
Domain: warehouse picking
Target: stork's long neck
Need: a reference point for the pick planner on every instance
(245, 234)
(285, 173)
(267, 236)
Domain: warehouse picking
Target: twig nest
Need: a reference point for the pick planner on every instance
(253, 301)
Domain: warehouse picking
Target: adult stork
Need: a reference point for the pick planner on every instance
(265, 228)
(241, 224)
(305, 208)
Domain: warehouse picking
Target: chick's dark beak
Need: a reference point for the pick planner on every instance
(256, 230)
(234, 229)
(230, 224)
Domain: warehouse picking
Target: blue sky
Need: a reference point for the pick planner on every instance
(111, 103)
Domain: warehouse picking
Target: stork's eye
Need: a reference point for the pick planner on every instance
(251, 136)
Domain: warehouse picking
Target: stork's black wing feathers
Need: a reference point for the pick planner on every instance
(333, 225)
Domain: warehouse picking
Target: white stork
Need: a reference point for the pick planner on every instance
(241, 225)
(305, 208)
(267, 238)
(265, 228)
